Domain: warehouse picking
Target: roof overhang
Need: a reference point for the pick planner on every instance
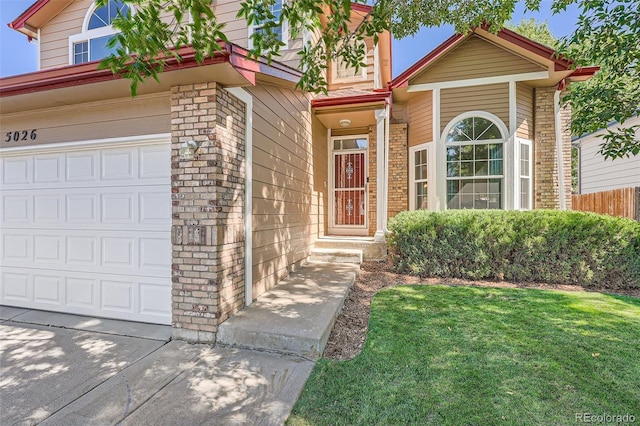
(38, 14)
(85, 82)
(359, 109)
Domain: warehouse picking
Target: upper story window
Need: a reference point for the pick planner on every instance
(281, 31)
(475, 157)
(91, 44)
(344, 72)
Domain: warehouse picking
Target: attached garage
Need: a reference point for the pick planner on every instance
(85, 228)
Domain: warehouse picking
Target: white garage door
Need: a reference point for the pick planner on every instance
(86, 229)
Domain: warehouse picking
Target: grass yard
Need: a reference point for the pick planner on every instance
(477, 356)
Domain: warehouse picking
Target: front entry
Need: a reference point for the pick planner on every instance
(349, 184)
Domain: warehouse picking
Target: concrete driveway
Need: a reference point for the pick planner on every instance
(58, 369)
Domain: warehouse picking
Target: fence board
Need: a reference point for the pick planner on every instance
(623, 202)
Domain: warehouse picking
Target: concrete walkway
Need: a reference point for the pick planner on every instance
(295, 317)
(58, 369)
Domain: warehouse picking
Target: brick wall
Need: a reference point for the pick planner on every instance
(207, 210)
(398, 167)
(546, 182)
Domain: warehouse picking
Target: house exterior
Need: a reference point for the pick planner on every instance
(597, 174)
(102, 216)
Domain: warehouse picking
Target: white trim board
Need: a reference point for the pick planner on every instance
(87, 145)
(540, 75)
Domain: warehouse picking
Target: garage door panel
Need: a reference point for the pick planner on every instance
(146, 253)
(16, 209)
(15, 286)
(15, 171)
(87, 231)
(104, 295)
(48, 169)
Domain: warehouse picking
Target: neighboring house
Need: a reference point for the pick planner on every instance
(597, 174)
(101, 215)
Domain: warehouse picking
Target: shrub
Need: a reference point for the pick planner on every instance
(537, 246)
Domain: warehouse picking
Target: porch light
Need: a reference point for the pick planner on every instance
(345, 122)
(188, 150)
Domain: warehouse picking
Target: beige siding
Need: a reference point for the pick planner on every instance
(420, 112)
(54, 36)
(289, 177)
(363, 81)
(493, 98)
(237, 32)
(97, 120)
(476, 58)
(524, 112)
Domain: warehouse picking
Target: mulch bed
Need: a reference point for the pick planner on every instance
(349, 332)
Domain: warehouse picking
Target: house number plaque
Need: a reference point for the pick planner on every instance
(21, 135)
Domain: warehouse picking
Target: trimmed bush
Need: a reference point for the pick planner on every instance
(558, 247)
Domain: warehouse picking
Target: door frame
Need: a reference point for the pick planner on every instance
(333, 229)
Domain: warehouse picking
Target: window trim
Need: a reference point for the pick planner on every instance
(362, 76)
(430, 147)
(504, 131)
(520, 143)
(86, 35)
(285, 32)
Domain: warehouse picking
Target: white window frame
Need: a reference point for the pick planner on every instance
(520, 145)
(285, 32)
(87, 35)
(360, 76)
(506, 151)
(430, 147)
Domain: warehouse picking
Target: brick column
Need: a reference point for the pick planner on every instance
(546, 189)
(398, 168)
(207, 210)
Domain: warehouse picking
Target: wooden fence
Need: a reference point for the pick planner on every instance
(623, 202)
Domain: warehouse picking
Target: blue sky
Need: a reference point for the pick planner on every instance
(18, 56)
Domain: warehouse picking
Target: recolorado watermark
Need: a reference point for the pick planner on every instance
(605, 418)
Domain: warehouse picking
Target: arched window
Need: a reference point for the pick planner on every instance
(91, 44)
(475, 164)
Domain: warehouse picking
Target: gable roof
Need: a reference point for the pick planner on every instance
(38, 14)
(508, 38)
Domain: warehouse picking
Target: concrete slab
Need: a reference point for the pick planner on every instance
(228, 387)
(8, 312)
(100, 325)
(43, 369)
(124, 392)
(296, 316)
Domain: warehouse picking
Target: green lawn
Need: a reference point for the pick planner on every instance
(482, 356)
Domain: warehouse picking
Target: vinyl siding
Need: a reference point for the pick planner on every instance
(362, 81)
(476, 58)
(54, 36)
(289, 176)
(237, 32)
(493, 98)
(598, 174)
(148, 114)
(420, 112)
(524, 112)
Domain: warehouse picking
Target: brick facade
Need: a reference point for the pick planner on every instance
(398, 198)
(207, 210)
(546, 180)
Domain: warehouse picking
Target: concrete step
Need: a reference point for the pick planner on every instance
(371, 250)
(330, 255)
(296, 316)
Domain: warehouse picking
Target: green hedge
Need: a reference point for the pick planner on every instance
(537, 246)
